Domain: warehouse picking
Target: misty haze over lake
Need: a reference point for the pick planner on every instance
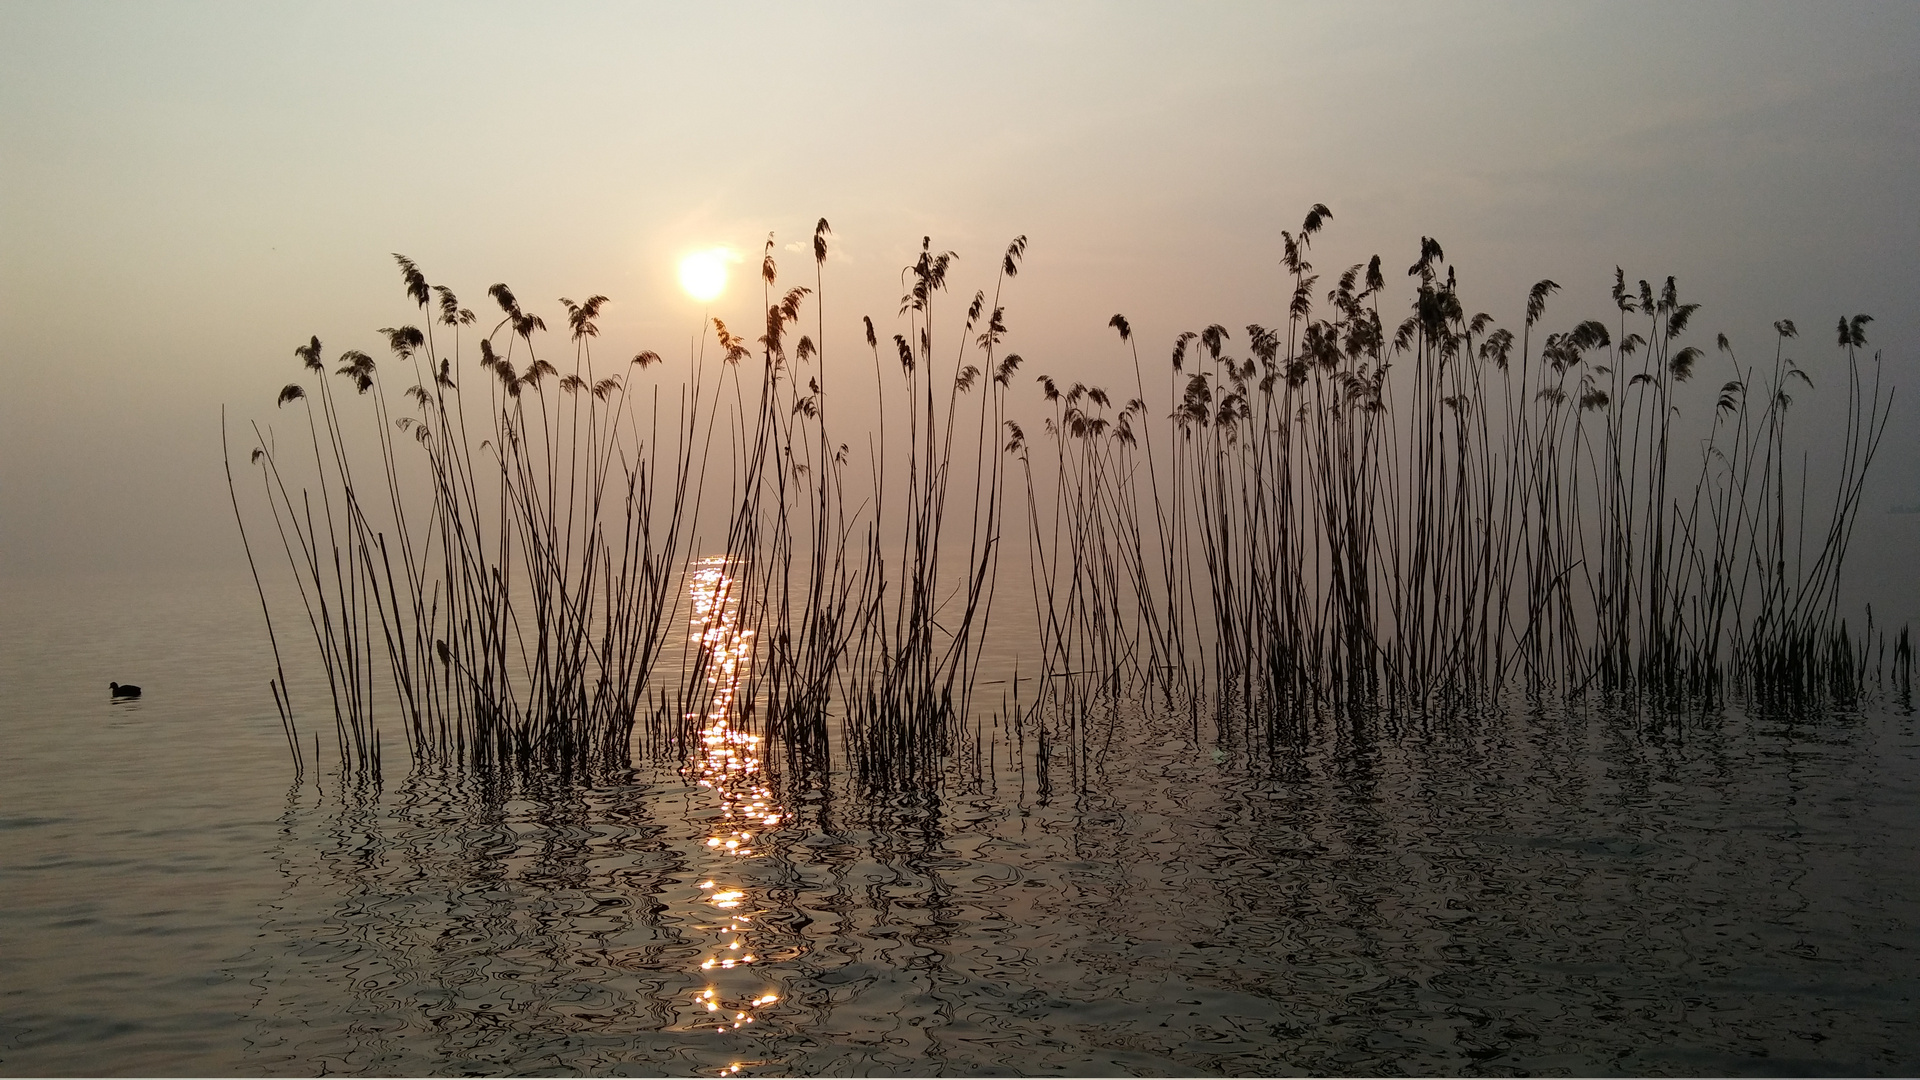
(1256, 542)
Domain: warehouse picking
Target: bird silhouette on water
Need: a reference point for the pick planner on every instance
(122, 691)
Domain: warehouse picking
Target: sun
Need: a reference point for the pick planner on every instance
(704, 273)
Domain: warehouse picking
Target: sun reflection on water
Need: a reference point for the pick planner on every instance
(727, 763)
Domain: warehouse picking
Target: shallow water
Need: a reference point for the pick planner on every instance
(1573, 891)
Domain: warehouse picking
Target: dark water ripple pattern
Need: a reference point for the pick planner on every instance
(1550, 894)
(1569, 892)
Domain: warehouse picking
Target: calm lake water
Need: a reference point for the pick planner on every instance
(1568, 891)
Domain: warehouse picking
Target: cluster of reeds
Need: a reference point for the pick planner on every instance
(864, 604)
(1357, 511)
(507, 585)
(509, 576)
(1337, 510)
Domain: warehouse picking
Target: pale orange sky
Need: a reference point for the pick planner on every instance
(189, 190)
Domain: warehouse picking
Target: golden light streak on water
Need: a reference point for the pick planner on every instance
(728, 764)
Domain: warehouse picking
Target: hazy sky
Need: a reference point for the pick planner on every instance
(189, 190)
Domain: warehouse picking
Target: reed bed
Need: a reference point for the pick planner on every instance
(503, 590)
(1338, 511)
(1354, 512)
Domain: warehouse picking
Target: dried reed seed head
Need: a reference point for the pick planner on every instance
(996, 328)
(1620, 297)
(1302, 304)
(1180, 348)
(1265, 343)
(451, 313)
(1430, 254)
(416, 282)
(357, 364)
(580, 316)
(1537, 298)
(1678, 315)
(1212, 337)
(309, 355)
(1591, 334)
(1403, 337)
(790, 304)
(1010, 262)
(1343, 290)
(403, 340)
(1732, 394)
(525, 324)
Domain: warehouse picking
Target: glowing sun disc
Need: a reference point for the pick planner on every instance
(704, 273)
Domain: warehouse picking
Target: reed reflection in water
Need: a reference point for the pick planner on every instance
(1528, 893)
(1584, 891)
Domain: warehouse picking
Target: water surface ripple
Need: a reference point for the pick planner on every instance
(1573, 891)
